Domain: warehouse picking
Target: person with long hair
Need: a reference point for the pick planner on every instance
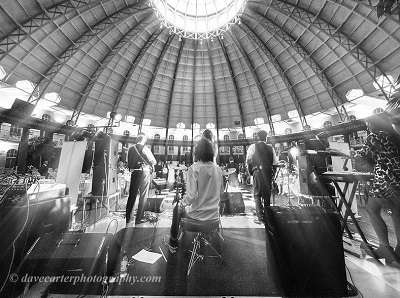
(203, 189)
(383, 144)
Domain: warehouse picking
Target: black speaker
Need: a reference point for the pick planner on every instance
(88, 158)
(74, 252)
(100, 165)
(307, 249)
(232, 203)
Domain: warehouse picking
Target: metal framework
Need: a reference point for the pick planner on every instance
(285, 36)
(289, 86)
(100, 68)
(214, 90)
(260, 89)
(171, 93)
(104, 25)
(193, 90)
(155, 72)
(356, 52)
(221, 42)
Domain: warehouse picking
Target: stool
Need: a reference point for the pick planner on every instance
(202, 230)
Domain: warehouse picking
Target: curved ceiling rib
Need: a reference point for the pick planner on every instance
(155, 72)
(107, 59)
(105, 24)
(134, 12)
(257, 81)
(194, 87)
(71, 8)
(275, 29)
(233, 77)
(141, 51)
(307, 28)
(368, 15)
(12, 39)
(331, 31)
(217, 126)
(296, 101)
(171, 92)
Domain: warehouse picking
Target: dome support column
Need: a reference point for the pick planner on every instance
(171, 94)
(234, 84)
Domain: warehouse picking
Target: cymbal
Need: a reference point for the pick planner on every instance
(229, 171)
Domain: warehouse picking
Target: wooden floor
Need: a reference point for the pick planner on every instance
(371, 279)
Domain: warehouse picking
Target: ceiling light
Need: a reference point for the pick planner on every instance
(198, 19)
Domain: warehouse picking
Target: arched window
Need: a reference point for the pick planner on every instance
(185, 138)
(241, 136)
(226, 138)
(156, 136)
(171, 137)
(11, 158)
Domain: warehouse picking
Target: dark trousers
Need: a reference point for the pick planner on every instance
(140, 183)
(262, 191)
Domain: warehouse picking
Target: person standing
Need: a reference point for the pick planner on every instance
(383, 145)
(140, 162)
(261, 161)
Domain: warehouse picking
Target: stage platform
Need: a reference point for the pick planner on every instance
(245, 271)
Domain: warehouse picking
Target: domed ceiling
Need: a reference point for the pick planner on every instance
(267, 58)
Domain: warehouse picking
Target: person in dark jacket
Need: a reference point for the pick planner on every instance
(261, 161)
(140, 162)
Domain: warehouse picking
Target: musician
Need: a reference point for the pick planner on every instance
(209, 136)
(383, 143)
(261, 163)
(158, 168)
(140, 163)
(203, 189)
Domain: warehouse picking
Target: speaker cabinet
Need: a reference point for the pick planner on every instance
(73, 252)
(105, 163)
(232, 203)
(307, 249)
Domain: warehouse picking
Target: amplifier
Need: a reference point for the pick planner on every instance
(307, 250)
(232, 203)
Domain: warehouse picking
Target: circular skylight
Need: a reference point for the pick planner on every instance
(198, 19)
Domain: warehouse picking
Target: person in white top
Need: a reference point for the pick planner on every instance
(261, 162)
(204, 187)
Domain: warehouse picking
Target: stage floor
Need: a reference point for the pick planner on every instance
(245, 270)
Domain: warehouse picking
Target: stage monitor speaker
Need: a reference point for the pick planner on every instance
(80, 253)
(307, 247)
(232, 203)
